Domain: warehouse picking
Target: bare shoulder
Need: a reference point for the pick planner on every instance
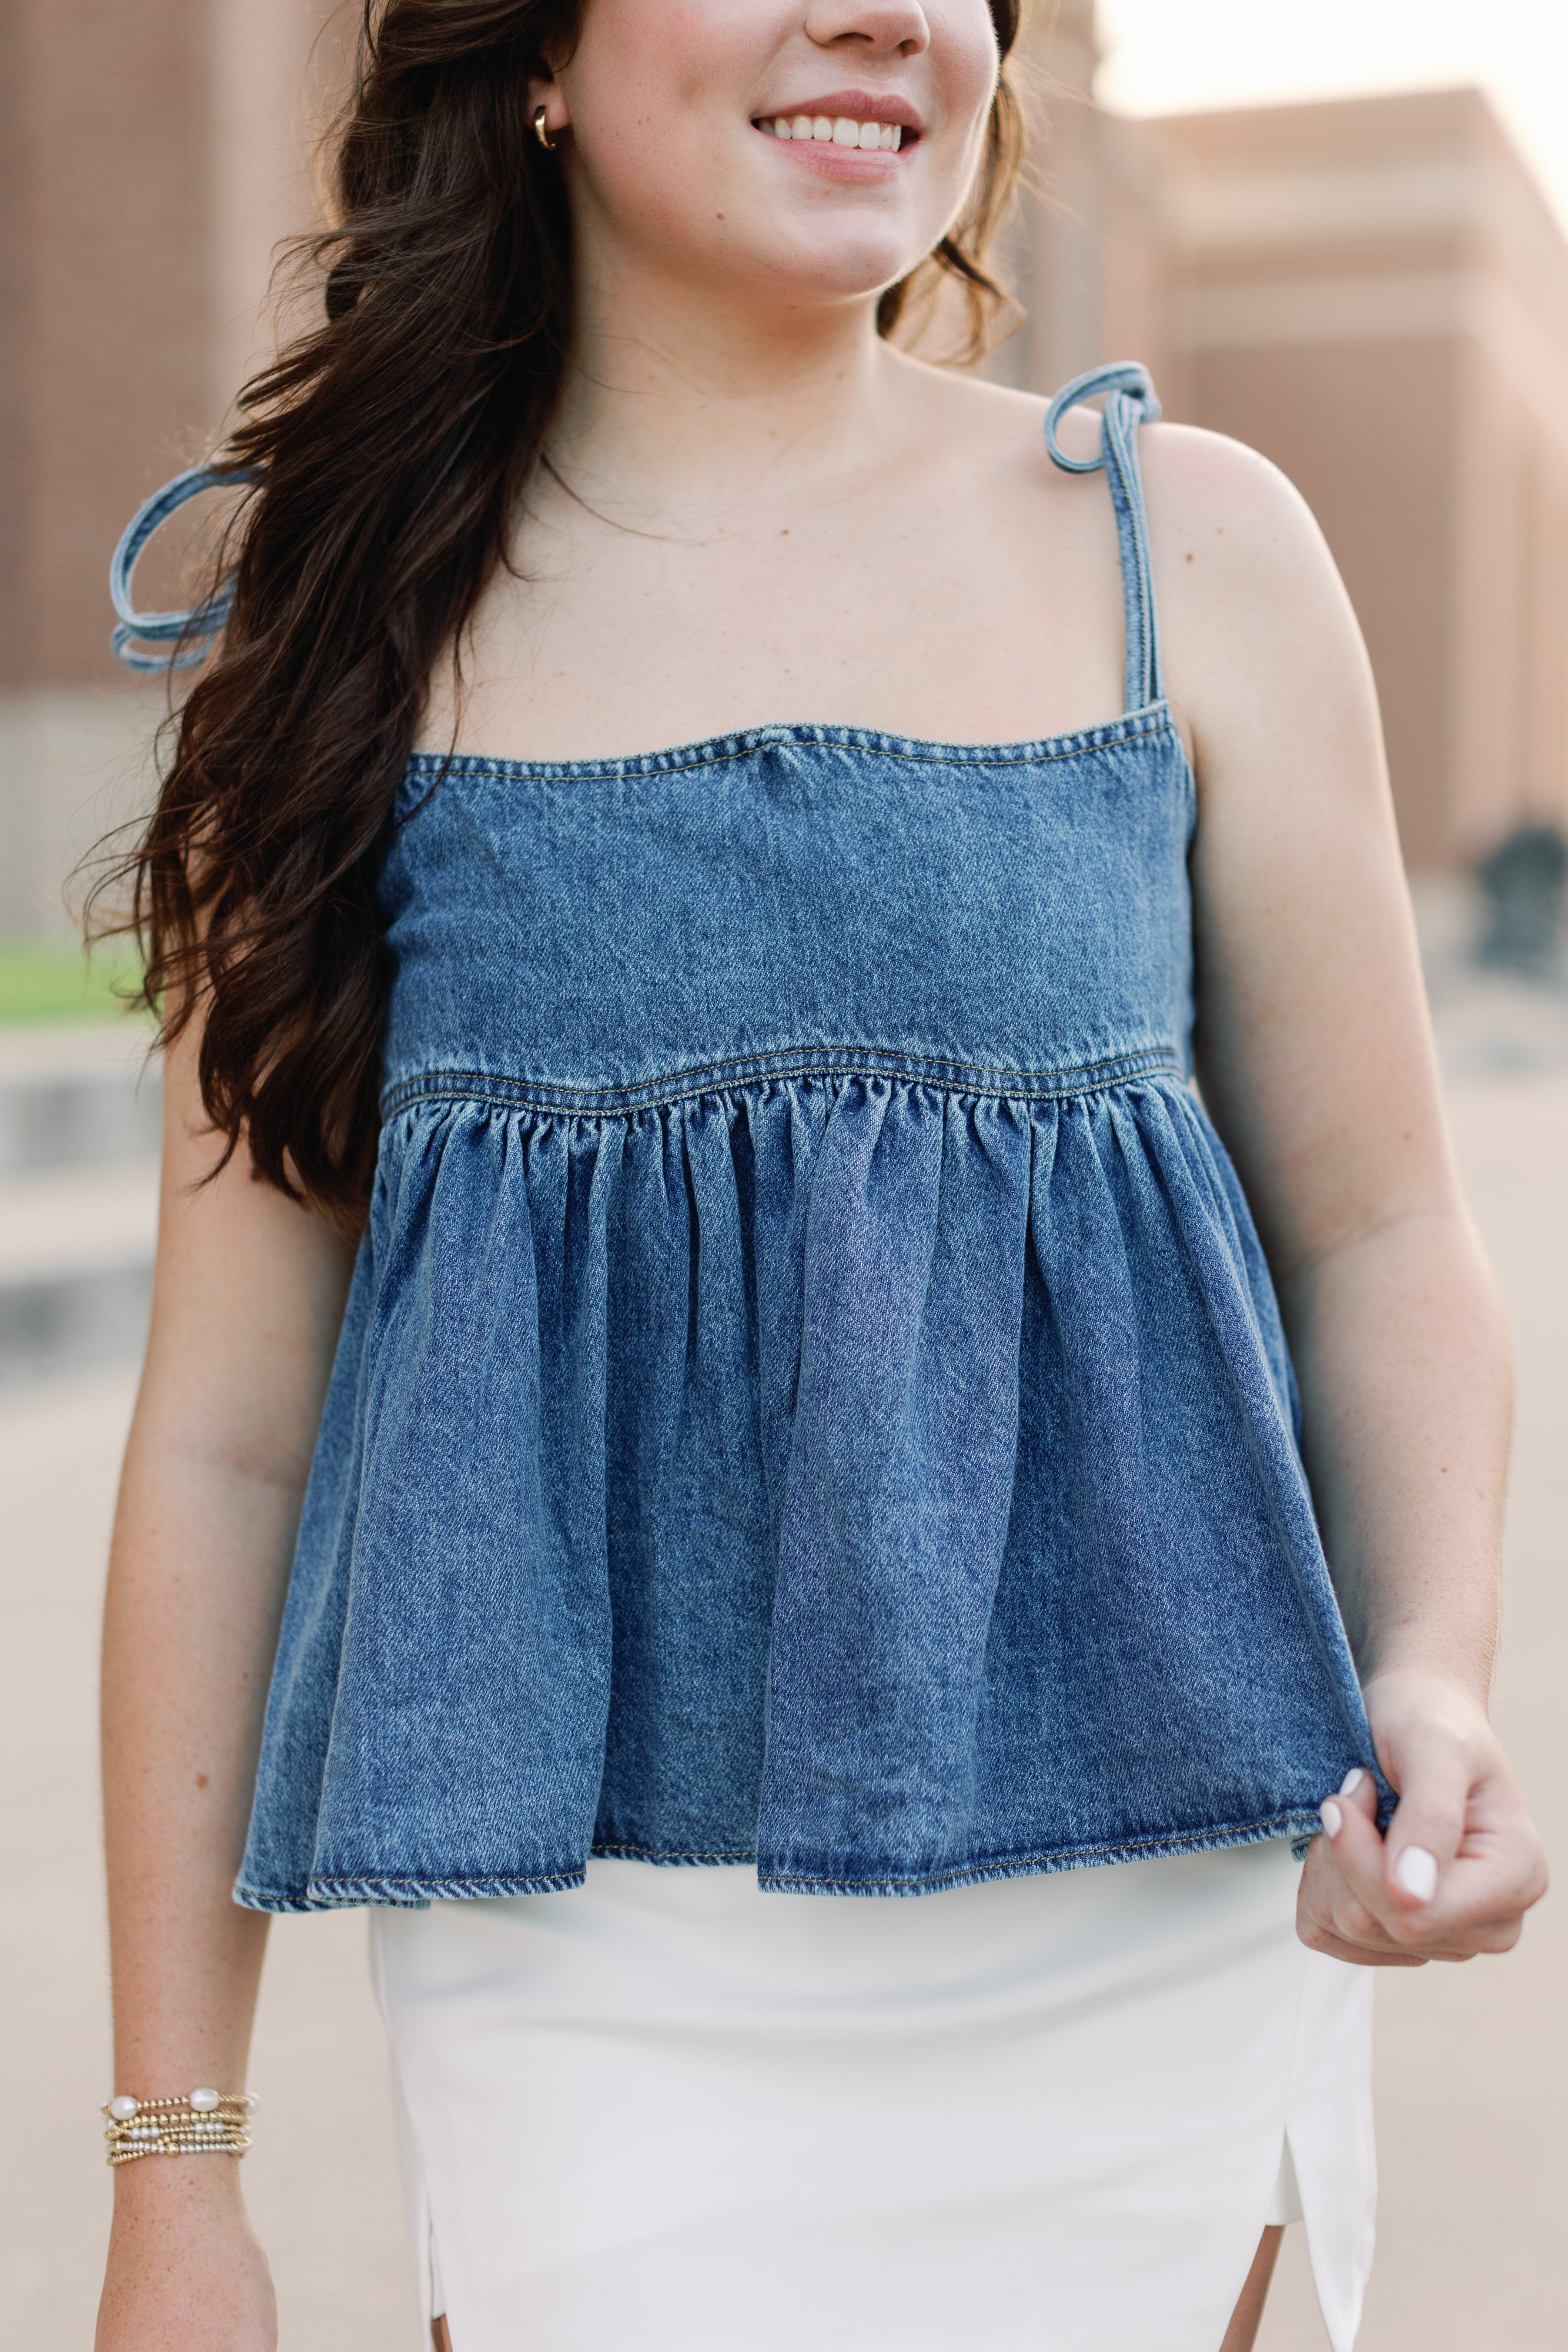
(1216, 504)
(1206, 493)
(1253, 611)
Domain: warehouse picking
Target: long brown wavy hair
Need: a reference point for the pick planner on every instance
(390, 446)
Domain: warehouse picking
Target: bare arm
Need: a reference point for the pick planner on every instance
(247, 1299)
(1316, 1060)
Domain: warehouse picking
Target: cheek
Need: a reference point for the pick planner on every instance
(655, 180)
(653, 97)
(666, 62)
(964, 49)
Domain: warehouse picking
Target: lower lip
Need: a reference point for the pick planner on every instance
(835, 163)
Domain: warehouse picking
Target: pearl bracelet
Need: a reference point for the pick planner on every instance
(207, 2123)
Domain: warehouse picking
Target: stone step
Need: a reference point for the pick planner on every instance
(75, 1095)
(76, 1268)
(78, 1196)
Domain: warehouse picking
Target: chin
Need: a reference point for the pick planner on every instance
(846, 270)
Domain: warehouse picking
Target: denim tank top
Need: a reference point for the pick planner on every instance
(812, 1395)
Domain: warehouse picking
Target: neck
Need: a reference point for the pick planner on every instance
(675, 398)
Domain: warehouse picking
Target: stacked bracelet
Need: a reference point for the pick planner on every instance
(208, 2123)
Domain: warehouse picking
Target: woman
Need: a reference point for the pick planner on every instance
(801, 1389)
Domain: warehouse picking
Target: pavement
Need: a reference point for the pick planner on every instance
(1472, 2065)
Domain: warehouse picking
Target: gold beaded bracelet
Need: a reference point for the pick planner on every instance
(207, 2123)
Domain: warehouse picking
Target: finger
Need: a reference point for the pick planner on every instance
(1500, 1833)
(1329, 1919)
(1346, 1901)
(1361, 1956)
(1433, 1773)
(1347, 1905)
(1356, 1844)
(1330, 1914)
(1356, 1935)
(1346, 1895)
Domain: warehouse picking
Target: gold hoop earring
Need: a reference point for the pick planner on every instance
(540, 134)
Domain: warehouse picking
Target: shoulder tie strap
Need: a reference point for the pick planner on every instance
(1130, 401)
(202, 623)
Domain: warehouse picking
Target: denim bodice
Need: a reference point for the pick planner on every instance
(811, 1394)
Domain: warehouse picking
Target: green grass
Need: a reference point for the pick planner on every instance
(47, 980)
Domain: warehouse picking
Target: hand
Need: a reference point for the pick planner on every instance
(185, 2272)
(1461, 1863)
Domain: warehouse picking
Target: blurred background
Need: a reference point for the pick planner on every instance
(1341, 235)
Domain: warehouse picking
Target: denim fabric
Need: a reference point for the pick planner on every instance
(812, 1393)
(183, 639)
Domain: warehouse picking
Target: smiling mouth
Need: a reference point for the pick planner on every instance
(838, 130)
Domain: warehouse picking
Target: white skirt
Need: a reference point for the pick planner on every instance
(671, 2112)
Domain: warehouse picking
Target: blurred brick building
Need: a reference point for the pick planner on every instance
(1372, 291)
(152, 155)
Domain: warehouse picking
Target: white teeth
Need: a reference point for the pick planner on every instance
(840, 132)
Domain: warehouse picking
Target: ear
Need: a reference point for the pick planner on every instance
(552, 98)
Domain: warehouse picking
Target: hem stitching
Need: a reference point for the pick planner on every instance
(720, 750)
(804, 1062)
(330, 1894)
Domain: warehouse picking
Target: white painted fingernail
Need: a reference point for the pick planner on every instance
(1331, 1816)
(1417, 1872)
(1352, 1781)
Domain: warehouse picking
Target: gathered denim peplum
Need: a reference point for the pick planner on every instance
(812, 1395)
